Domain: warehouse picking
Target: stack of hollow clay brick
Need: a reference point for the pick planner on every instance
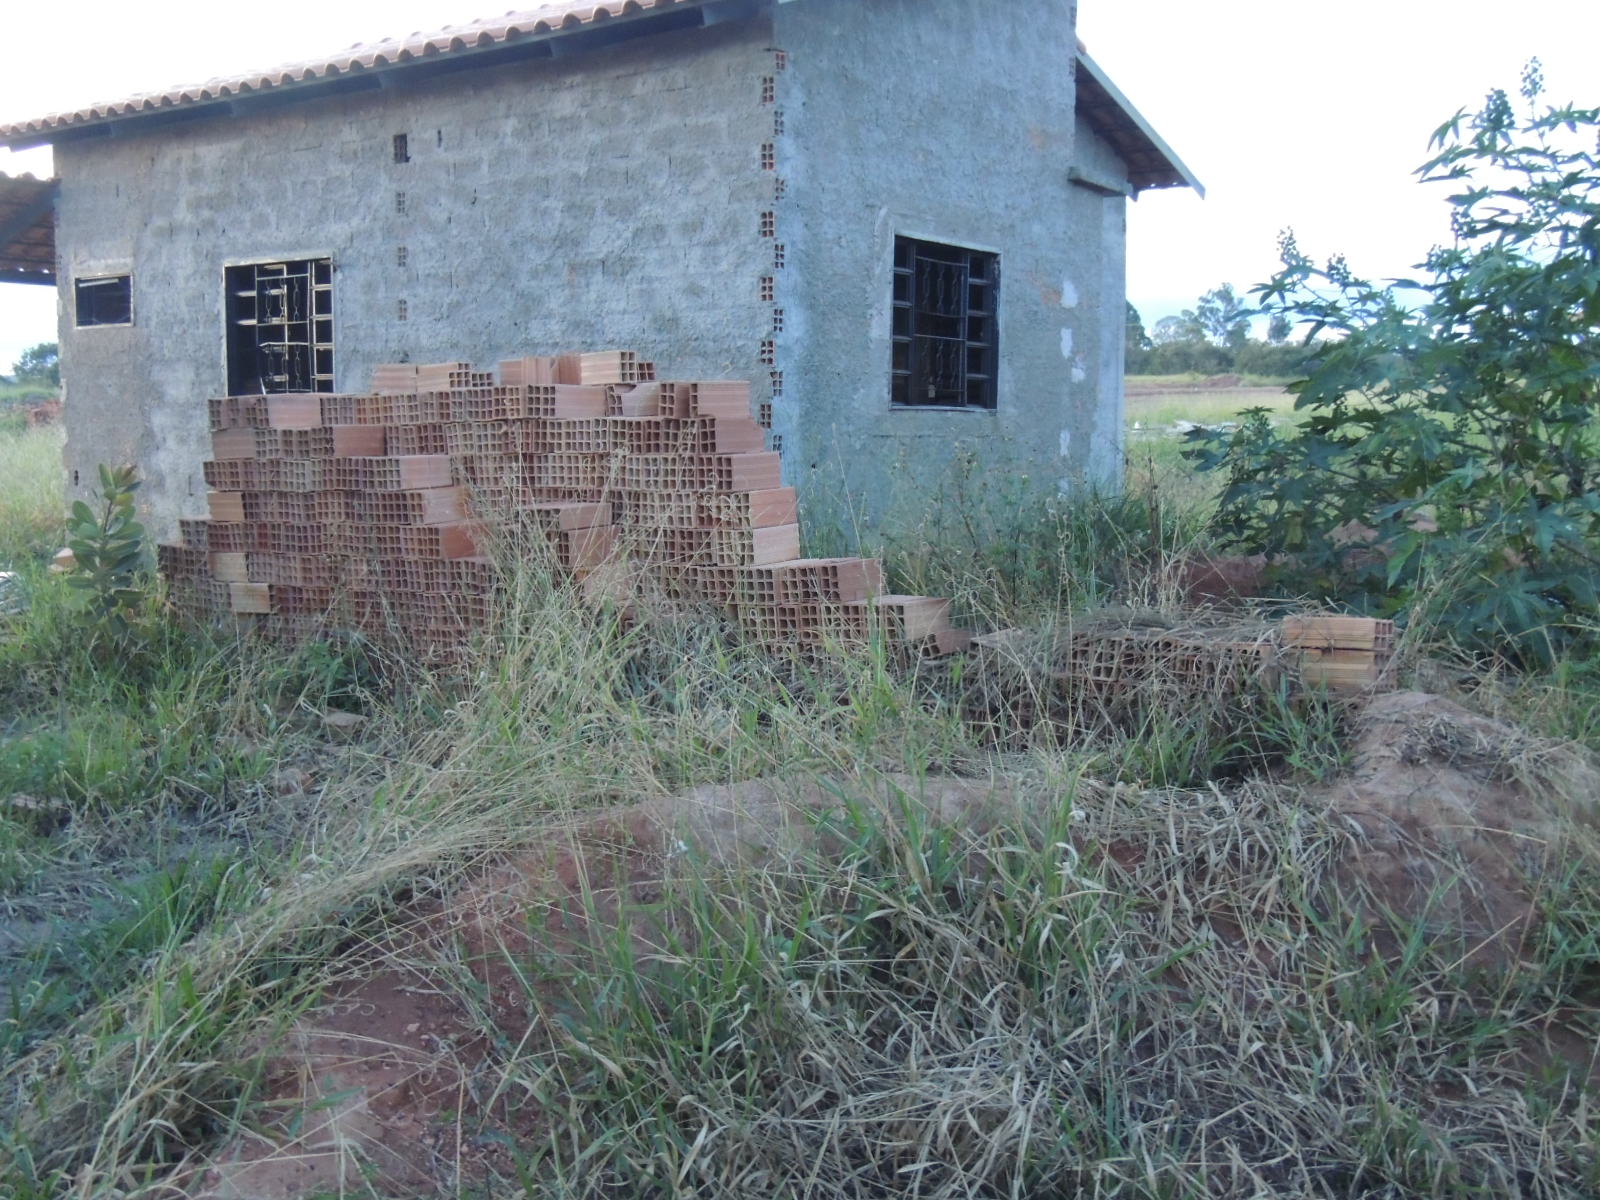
(371, 512)
(1341, 654)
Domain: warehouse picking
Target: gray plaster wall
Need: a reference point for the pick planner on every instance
(607, 199)
(950, 121)
(1098, 208)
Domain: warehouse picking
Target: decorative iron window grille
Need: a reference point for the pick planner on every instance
(280, 327)
(946, 338)
(104, 301)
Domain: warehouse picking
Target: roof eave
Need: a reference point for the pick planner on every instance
(1177, 173)
(158, 110)
(27, 229)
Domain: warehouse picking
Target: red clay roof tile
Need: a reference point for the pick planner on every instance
(488, 32)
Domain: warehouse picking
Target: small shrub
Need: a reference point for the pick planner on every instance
(112, 559)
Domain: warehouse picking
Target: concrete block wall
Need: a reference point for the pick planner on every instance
(947, 121)
(613, 197)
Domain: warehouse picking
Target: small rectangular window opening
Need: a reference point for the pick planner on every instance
(280, 327)
(104, 301)
(402, 148)
(946, 339)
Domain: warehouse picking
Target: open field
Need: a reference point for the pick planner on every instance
(30, 492)
(321, 922)
(1160, 408)
(1158, 402)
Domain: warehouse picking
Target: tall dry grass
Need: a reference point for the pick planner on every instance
(1138, 975)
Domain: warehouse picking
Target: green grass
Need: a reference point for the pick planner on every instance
(32, 507)
(1161, 410)
(1141, 974)
(1010, 1010)
(1193, 380)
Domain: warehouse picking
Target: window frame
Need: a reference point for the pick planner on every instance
(968, 327)
(305, 318)
(95, 282)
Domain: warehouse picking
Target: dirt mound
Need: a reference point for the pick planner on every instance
(1453, 818)
(374, 1083)
(1459, 817)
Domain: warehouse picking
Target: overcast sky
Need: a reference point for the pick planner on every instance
(1294, 113)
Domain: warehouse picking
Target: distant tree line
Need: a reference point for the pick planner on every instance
(1212, 338)
(39, 364)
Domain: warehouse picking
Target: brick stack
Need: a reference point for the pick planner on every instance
(1341, 654)
(371, 512)
(315, 518)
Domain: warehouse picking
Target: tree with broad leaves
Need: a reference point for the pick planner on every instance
(1449, 454)
(1220, 317)
(39, 364)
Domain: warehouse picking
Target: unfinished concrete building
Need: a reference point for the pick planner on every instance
(903, 219)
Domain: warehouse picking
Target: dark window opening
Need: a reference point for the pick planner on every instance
(945, 334)
(105, 301)
(402, 148)
(280, 327)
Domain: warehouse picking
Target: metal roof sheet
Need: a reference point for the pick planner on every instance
(27, 229)
(548, 20)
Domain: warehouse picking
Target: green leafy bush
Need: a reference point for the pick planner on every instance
(110, 556)
(1452, 441)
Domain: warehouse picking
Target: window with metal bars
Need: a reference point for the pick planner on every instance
(280, 327)
(945, 326)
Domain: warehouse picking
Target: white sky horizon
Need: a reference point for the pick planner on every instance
(1293, 113)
